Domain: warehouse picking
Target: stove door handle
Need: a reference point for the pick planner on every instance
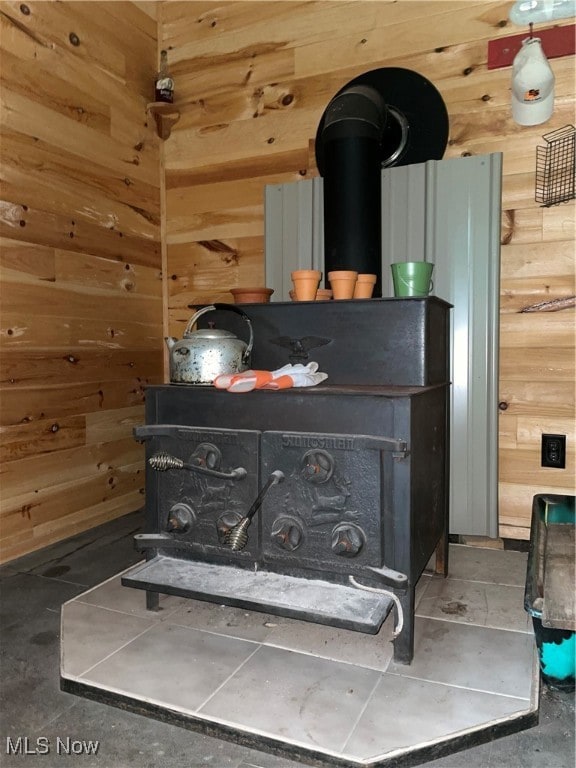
(239, 473)
(237, 537)
(274, 478)
(164, 461)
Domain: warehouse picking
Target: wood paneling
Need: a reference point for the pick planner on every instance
(100, 222)
(252, 80)
(80, 280)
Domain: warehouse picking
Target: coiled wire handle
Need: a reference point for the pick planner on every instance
(164, 461)
(237, 537)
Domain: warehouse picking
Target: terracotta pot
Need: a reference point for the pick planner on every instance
(323, 294)
(306, 283)
(364, 287)
(251, 295)
(292, 295)
(343, 282)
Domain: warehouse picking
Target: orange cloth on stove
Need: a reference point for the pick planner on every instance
(283, 378)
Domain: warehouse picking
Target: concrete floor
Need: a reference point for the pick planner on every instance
(50, 723)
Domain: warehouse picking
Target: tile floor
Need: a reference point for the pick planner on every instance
(258, 674)
(314, 691)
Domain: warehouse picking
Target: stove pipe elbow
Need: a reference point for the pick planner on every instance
(351, 139)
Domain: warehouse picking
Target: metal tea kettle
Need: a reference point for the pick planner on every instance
(206, 353)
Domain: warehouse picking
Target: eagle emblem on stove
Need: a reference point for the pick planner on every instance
(299, 348)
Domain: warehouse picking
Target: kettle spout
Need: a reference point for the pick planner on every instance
(170, 341)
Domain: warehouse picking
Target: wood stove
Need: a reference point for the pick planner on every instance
(344, 485)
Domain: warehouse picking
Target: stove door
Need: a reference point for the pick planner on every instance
(200, 483)
(327, 514)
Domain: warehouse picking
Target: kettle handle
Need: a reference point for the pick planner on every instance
(231, 308)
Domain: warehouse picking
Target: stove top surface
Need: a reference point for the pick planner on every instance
(378, 390)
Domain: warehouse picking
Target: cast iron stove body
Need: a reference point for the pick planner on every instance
(354, 470)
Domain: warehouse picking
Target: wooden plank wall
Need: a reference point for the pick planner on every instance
(81, 283)
(252, 81)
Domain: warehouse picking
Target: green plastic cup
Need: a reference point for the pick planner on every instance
(412, 278)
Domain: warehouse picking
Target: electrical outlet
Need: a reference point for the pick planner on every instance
(554, 451)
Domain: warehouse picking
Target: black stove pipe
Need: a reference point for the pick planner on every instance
(351, 136)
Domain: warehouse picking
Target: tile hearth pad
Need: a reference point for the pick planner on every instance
(318, 693)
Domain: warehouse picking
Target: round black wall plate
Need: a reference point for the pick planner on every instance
(413, 101)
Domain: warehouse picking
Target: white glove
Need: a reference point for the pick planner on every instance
(282, 378)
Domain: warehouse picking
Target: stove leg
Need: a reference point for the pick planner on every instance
(152, 601)
(404, 643)
(441, 564)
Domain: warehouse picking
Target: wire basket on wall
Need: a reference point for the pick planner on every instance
(556, 167)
